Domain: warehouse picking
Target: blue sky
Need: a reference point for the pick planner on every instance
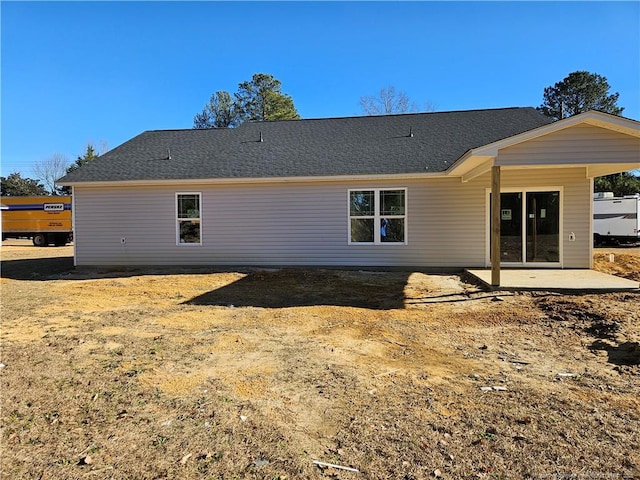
(103, 72)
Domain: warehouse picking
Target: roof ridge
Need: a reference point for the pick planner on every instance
(183, 129)
(385, 115)
(346, 117)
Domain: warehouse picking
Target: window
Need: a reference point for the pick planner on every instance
(188, 219)
(377, 216)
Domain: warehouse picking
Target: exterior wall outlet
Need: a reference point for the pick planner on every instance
(572, 237)
(123, 240)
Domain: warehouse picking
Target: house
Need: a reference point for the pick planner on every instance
(410, 191)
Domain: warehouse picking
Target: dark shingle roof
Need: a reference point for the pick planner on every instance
(316, 147)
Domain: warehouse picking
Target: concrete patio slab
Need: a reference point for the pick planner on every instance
(555, 280)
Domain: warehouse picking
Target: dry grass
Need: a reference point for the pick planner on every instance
(194, 374)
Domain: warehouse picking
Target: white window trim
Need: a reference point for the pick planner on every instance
(376, 216)
(524, 262)
(177, 219)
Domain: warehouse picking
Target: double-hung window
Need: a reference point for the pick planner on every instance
(378, 216)
(188, 208)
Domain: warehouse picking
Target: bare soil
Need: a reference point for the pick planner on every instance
(620, 261)
(254, 374)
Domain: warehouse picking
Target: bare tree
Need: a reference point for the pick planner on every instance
(429, 107)
(50, 169)
(101, 148)
(390, 101)
(221, 112)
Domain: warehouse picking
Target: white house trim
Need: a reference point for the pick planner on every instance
(377, 241)
(222, 181)
(177, 218)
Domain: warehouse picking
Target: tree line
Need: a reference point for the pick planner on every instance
(261, 99)
(258, 99)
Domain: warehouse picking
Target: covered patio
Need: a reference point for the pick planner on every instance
(546, 225)
(569, 280)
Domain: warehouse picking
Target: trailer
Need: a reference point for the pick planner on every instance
(616, 220)
(45, 220)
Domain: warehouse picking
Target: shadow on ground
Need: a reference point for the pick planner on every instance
(296, 288)
(61, 268)
(259, 288)
(626, 353)
(36, 268)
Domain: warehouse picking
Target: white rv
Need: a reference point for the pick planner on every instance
(616, 219)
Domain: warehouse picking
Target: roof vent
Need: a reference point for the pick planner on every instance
(168, 153)
(261, 139)
(410, 132)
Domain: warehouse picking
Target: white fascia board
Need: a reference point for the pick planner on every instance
(613, 122)
(211, 181)
(590, 170)
(481, 169)
(470, 162)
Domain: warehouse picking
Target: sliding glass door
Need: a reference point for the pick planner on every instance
(511, 227)
(529, 227)
(543, 227)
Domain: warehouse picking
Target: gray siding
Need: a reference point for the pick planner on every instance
(306, 223)
(579, 144)
(276, 224)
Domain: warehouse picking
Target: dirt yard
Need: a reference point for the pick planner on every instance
(201, 374)
(626, 261)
